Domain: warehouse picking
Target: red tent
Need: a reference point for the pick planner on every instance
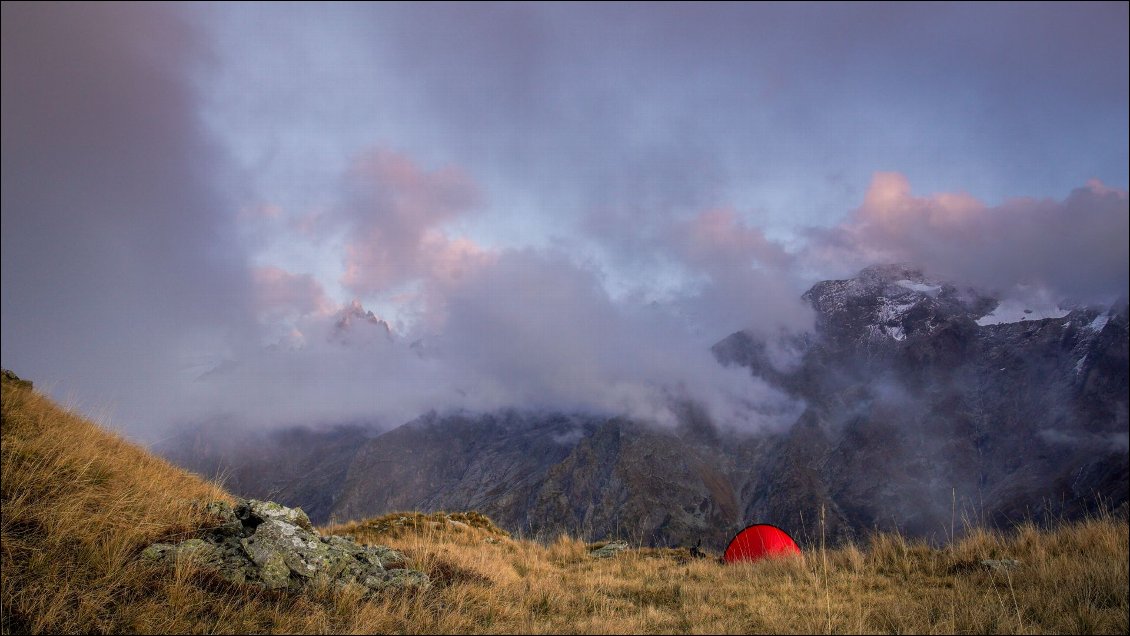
(758, 542)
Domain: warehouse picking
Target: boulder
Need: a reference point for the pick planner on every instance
(398, 580)
(609, 549)
(256, 512)
(271, 546)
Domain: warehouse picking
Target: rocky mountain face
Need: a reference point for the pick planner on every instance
(926, 405)
(542, 475)
(923, 400)
(493, 463)
(294, 466)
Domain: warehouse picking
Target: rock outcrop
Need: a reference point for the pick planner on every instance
(265, 544)
(609, 550)
(15, 379)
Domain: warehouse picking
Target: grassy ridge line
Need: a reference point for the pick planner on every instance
(79, 504)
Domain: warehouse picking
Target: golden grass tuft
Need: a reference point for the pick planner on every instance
(79, 504)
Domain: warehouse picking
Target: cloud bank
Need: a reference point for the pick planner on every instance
(119, 258)
(488, 328)
(536, 328)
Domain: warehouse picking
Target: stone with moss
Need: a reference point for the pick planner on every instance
(199, 551)
(397, 580)
(609, 550)
(266, 544)
(255, 509)
(158, 551)
(384, 556)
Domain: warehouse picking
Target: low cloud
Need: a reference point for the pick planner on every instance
(528, 329)
(1096, 442)
(537, 330)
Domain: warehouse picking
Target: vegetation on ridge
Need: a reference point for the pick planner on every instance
(79, 505)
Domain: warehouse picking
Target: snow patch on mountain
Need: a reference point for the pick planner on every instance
(1098, 323)
(922, 288)
(1010, 311)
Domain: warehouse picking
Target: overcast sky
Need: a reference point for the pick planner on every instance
(308, 213)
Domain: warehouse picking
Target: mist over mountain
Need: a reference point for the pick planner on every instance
(304, 464)
(923, 403)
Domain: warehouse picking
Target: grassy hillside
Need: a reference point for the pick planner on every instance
(79, 505)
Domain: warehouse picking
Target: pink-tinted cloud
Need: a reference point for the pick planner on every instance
(1077, 247)
(717, 237)
(280, 294)
(890, 211)
(397, 213)
(311, 225)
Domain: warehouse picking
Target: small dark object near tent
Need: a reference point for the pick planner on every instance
(758, 542)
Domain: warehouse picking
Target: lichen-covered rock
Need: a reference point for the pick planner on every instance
(199, 551)
(397, 580)
(158, 551)
(609, 549)
(383, 556)
(344, 544)
(302, 550)
(227, 521)
(269, 545)
(259, 511)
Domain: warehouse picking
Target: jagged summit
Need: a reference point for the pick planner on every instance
(892, 302)
(356, 322)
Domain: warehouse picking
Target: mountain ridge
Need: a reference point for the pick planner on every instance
(913, 407)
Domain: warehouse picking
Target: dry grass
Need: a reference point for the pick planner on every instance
(79, 505)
